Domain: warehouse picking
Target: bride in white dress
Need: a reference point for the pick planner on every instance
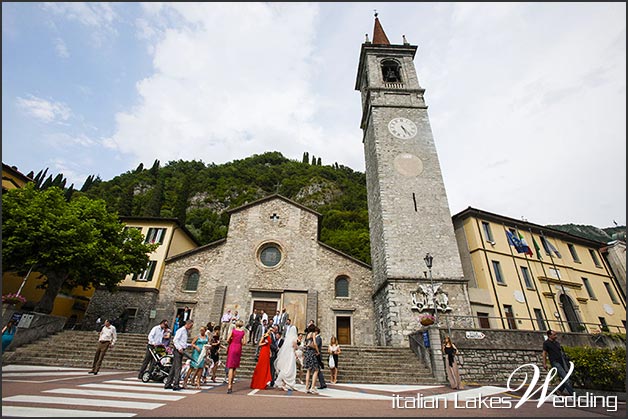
(286, 362)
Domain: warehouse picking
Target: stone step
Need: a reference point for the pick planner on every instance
(357, 364)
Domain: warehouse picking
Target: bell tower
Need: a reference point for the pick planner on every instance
(408, 210)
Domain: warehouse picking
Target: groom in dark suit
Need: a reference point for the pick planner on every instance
(274, 348)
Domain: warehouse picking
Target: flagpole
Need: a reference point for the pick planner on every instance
(25, 278)
(514, 262)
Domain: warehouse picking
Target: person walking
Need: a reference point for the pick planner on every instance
(262, 373)
(180, 342)
(321, 364)
(453, 375)
(8, 332)
(310, 362)
(234, 352)
(554, 351)
(106, 339)
(286, 363)
(214, 352)
(198, 358)
(155, 338)
(334, 350)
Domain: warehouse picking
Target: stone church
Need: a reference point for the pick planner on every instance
(272, 257)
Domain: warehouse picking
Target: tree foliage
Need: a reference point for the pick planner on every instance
(75, 243)
(199, 195)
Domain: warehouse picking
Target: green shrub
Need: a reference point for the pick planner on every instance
(598, 368)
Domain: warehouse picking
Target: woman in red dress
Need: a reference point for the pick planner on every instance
(261, 375)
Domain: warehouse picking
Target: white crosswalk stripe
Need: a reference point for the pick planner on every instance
(40, 412)
(127, 394)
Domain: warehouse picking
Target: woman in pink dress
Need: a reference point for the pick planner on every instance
(234, 351)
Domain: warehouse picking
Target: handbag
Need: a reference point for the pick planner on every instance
(332, 363)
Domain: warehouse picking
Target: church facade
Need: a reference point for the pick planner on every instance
(272, 258)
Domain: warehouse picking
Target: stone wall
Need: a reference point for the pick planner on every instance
(110, 305)
(492, 360)
(41, 326)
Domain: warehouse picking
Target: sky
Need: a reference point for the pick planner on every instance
(527, 101)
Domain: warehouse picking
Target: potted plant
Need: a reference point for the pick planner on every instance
(13, 299)
(427, 319)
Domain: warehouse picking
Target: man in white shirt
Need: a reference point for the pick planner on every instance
(106, 338)
(276, 318)
(264, 316)
(180, 343)
(225, 321)
(155, 338)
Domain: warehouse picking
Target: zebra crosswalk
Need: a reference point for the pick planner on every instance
(108, 398)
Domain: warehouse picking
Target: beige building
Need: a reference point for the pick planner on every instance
(272, 258)
(13, 178)
(563, 281)
(137, 293)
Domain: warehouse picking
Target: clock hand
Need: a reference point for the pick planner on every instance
(404, 129)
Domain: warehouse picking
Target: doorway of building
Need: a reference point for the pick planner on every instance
(269, 307)
(570, 313)
(343, 330)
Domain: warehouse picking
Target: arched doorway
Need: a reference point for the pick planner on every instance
(570, 313)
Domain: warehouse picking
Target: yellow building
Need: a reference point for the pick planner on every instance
(13, 178)
(562, 282)
(137, 293)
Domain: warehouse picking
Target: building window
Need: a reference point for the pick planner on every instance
(595, 258)
(155, 235)
(499, 277)
(342, 286)
(611, 293)
(488, 234)
(391, 71)
(483, 320)
(574, 254)
(540, 321)
(510, 316)
(147, 274)
(554, 272)
(587, 286)
(603, 324)
(525, 272)
(270, 255)
(191, 280)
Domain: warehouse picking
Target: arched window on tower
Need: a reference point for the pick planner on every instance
(342, 287)
(190, 280)
(391, 71)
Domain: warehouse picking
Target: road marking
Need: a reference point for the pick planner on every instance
(17, 367)
(55, 373)
(40, 412)
(124, 395)
(133, 388)
(83, 402)
(394, 388)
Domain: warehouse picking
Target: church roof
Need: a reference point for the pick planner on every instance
(379, 36)
(270, 197)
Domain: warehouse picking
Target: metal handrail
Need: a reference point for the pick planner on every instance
(559, 325)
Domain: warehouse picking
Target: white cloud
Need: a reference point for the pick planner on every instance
(61, 48)
(44, 110)
(98, 14)
(219, 100)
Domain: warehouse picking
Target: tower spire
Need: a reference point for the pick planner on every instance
(379, 36)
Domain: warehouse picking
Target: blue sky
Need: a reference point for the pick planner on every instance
(527, 101)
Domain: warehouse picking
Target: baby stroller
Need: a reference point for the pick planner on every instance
(160, 368)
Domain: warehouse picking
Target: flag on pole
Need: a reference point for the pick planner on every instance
(537, 248)
(518, 244)
(553, 249)
(527, 249)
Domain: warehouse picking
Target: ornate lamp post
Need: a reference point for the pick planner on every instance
(428, 262)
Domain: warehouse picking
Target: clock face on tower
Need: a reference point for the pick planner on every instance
(402, 128)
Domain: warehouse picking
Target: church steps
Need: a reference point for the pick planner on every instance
(74, 348)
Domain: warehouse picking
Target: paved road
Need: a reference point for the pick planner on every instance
(55, 391)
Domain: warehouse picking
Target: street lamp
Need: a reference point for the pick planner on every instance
(428, 262)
